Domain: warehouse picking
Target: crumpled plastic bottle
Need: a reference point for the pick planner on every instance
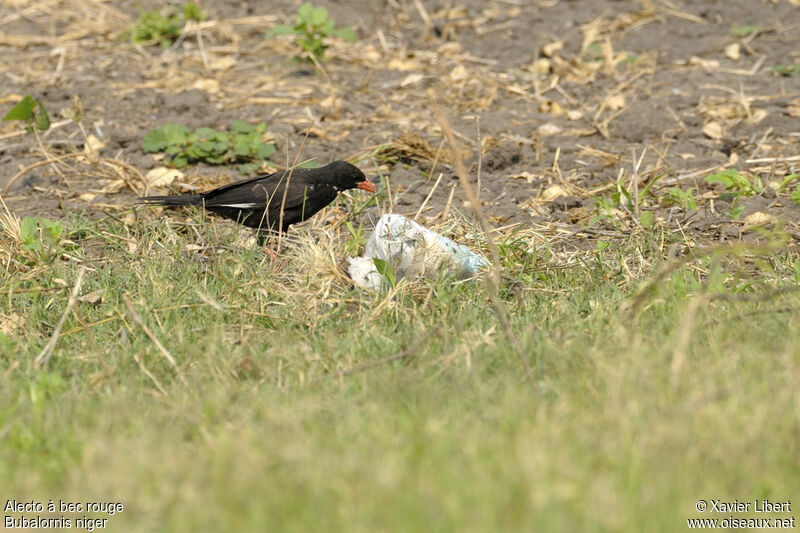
(411, 251)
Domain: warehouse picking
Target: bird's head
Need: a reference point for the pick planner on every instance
(349, 176)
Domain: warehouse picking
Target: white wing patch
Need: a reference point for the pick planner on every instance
(251, 205)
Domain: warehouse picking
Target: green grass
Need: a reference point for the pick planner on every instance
(623, 427)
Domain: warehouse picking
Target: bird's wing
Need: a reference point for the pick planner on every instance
(257, 192)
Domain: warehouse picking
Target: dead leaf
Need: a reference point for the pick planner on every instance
(93, 144)
(759, 218)
(448, 49)
(614, 102)
(10, 98)
(551, 106)
(733, 51)
(411, 79)
(541, 66)
(550, 49)
(111, 187)
(757, 116)
(728, 110)
(459, 73)
(793, 111)
(208, 85)
(574, 114)
(579, 215)
(553, 192)
(545, 130)
(707, 64)
(222, 63)
(160, 176)
(93, 298)
(713, 130)
(524, 175)
(403, 65)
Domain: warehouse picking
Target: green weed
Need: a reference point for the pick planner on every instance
(385, 270)
(746, 30)
(165, 27)
(796, 194)
(312, 28)
(243, 144)
(735, 183)
(736, 186)
(787, 70)
(30, 111)
(39, 234)
(683, 198)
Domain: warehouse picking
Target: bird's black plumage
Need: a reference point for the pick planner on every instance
(257, 202)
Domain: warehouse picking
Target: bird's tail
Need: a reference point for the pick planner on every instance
(186, 199)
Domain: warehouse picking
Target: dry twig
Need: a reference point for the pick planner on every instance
(47, 352)
(493, 280)
(138, 319)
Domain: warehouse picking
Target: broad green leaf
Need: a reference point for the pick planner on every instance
(22, 110)
(347, 33)
(731, 179)
(42, 119)
(647, 219)
(205, 134)
(28, 229)
(240, 126)
(385, 270)
(195, 151)
(796, 194)
(35, 230)
(744, 31)
(788, 179)
(154, 141)
(787, 70)
(304, 12)
(53, 228)
(241, 146)
(280, 29)
(318, 16)
(248, 168)
(192, 12)
(176, 134)
(207, 146)
(179, 161)
(264, 151)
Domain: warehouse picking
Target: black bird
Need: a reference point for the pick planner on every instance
(257, 202)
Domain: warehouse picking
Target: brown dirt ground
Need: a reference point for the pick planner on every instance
(560, 95)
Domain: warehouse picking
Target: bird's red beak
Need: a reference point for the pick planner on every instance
(367, 186)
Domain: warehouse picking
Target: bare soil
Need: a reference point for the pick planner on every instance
(557, 104)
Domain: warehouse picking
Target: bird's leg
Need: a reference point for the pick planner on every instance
(263, 240)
